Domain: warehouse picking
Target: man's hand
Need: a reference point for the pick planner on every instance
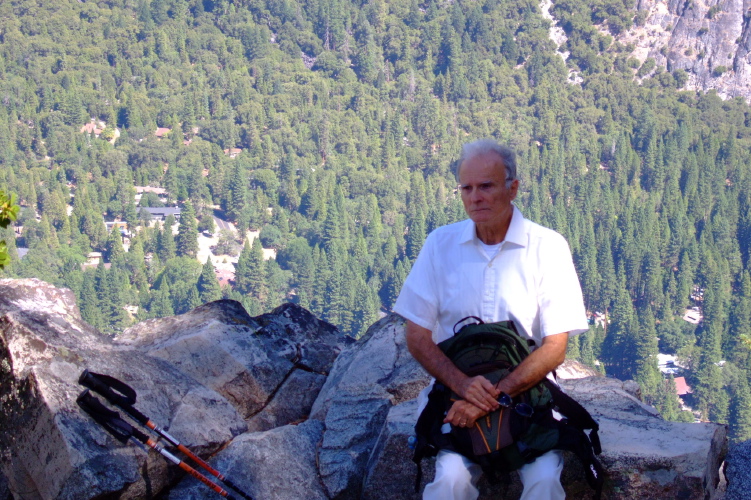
(463, 414)
(480, 392)
(536, 366)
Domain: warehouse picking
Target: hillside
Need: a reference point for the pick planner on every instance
(330, 128)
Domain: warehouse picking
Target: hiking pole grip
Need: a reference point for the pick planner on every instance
(103, 385)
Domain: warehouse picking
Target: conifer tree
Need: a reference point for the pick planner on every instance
(740, 415)
(250, 275)
(135, 260)
(666, 400)
(193, 298)
(114, 248)
(243, 269)
(647, 372)
(89, 301)
(208, 286)
(416, 235)
(161, 302)
(187, 232)
(320, 281)
(166, 247)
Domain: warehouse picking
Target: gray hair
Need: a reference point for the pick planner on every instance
(483, 146)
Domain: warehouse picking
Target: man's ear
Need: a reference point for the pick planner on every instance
(514, 188)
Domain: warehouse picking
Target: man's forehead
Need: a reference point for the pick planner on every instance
(484, 159)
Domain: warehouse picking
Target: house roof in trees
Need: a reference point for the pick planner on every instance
(92, 126)
(681, 387)
(162, 131)
(225, 276)
(162, 213)
(149, 189)
(232, 152)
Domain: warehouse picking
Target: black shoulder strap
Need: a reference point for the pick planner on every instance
(578, 416)
(429, 440)
(574, 439)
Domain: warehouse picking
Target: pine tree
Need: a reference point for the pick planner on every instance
(135, 260)
(647, 372)
(416, 235)
(250, 275)
(243, 270)
(666, 400)
(193, 299)
(161, 302)
(395, 286)
(114, 249)
(209, 289)
(166, 247)
(187, 232)
(89, 301)
(740, 416)
(618, 351)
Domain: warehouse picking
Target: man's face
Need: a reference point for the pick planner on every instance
(482, 182)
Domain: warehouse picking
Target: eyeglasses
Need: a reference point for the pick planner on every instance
(522, 409)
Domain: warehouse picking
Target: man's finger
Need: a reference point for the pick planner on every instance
(481, 393)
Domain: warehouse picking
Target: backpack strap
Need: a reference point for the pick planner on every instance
(574, 439)
(478, 321)
(578, 416)
(429, 438)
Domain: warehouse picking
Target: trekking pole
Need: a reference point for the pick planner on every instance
(123, 396)
(123, 431)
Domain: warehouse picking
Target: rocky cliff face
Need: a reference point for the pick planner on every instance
(709, 40)
(283, 404)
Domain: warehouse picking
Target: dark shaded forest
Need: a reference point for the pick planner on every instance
(349, 116)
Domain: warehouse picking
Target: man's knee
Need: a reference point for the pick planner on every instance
(542, 478)
(455, 478)
(452, 468)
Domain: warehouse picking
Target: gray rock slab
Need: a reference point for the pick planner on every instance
(380, 358)
(245, 359)
(390, 471)
(298, 335)
(218, 349)
(353, 423)
(291, 403)
(644, 453)
(279, 464)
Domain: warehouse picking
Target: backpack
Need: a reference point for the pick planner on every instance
(507, 438)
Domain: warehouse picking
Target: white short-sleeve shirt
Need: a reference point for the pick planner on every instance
(530, 280)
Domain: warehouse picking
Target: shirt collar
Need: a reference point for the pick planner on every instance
(514, 234)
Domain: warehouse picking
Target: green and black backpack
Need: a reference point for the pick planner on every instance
(509, 437)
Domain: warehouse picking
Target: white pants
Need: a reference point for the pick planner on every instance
(456, 478)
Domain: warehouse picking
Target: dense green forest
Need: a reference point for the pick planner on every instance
(349, 116)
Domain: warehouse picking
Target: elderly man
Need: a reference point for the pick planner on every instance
(498, 266)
